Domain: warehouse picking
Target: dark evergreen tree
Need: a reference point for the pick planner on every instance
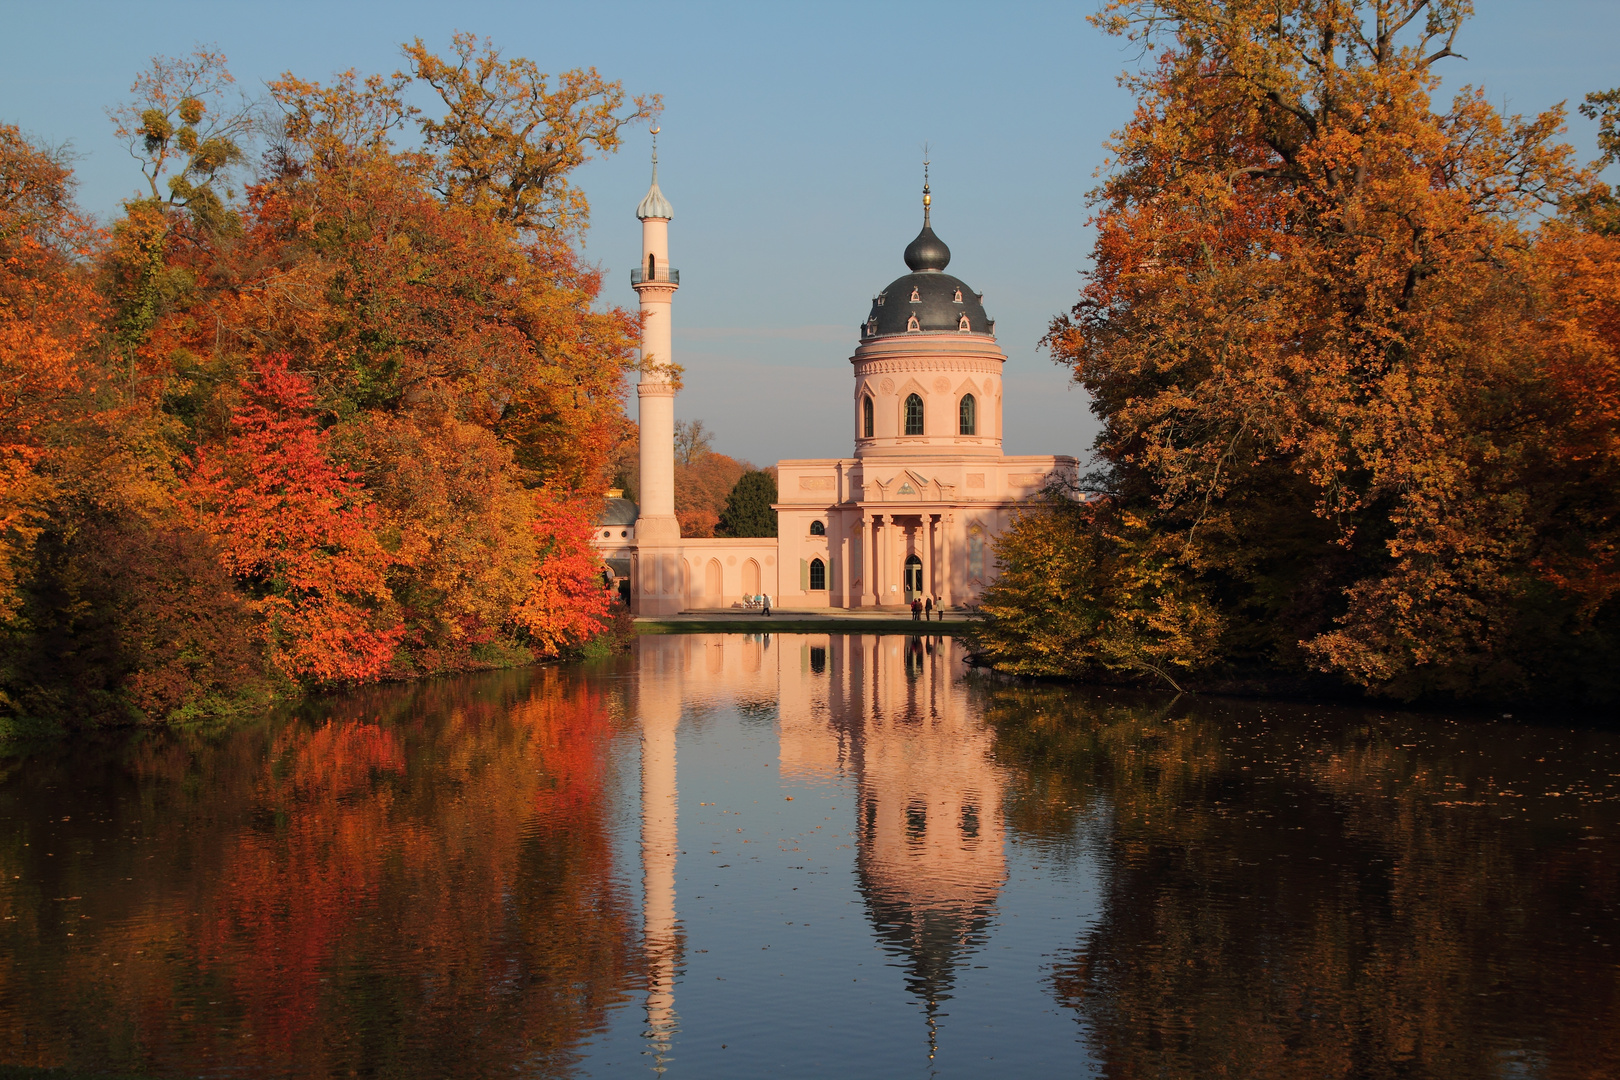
(748, 508)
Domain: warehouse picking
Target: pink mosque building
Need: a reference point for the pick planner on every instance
(913, 512)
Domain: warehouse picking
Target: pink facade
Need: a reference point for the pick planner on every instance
(914, 512)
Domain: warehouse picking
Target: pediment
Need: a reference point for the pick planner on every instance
(908, 485)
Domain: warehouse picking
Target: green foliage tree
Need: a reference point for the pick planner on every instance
(748, 508)
(1090, 591)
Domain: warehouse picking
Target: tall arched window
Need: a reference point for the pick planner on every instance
(817, 529)
(818, 575)
(968, 416)
(914, 415)
(652, 268)
(866, 416)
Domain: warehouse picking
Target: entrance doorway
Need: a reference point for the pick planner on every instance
(914, 581)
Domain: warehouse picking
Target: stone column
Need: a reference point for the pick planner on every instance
(887, 571)
(925, 537)
(868, 563)
(946, 520)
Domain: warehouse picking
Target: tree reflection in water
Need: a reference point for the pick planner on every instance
(422, 881)
(396, 870)
(1323, 892)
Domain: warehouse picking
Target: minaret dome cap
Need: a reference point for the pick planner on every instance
(653, 204)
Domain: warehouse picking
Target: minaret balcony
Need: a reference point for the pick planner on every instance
(663, 274)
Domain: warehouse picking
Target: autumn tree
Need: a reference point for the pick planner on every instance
(509, 141)
(300, 534)
(1321, 334)
(1088, 590)
(692, 441)
(49, 314)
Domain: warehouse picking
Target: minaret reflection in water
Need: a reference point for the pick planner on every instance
(889, 712)
(660, 709)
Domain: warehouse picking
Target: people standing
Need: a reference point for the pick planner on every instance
(916, 609)
(928, 609)
(765, 598)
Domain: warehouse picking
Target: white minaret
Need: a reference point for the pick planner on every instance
(656, 283)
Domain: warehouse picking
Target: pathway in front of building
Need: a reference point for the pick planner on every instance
(855, 617)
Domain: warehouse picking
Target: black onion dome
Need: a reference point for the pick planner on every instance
(941, 301)
(927, 252)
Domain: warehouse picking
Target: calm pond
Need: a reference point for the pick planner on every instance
(742, 856)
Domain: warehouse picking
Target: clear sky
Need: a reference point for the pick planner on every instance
(791, 151)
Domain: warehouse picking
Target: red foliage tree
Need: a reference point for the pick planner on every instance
(299, 532)
(567, 603)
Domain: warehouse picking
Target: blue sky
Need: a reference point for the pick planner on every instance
(791, 152)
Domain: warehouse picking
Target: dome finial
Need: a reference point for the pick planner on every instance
(653, 204)
(927, 252)
(928, 200)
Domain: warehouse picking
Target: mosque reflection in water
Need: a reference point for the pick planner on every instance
(888, 713)
(737, 856)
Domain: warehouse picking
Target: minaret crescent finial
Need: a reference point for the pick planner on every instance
(928, 200)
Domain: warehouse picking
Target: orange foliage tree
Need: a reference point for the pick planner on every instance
(1340, 369)
(49, 315)
(299, 533)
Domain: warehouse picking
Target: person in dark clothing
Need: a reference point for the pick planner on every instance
(916, 610)
(767, 601)
(928, 609)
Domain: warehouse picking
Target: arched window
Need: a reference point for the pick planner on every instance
(866, 416)
(652, 268)
(818, 575)
(912, 325)
(817, 529)
(914, 415)
(968, 416)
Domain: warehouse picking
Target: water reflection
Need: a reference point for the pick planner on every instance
(398, 872)
(928, 795)
(1295, 891)
(888, 869)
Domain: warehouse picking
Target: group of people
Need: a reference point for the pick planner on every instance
(923, 607)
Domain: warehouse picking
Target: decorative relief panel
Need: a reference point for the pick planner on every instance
(888, 386)
(1026, 479)
(941, 385)
(927, 363)
(975, 479)
(816, 483)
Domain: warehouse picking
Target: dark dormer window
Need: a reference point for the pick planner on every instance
(915, 299)
(866, 416)
(818, 529)
(962, 324)
(912, 325)
(880, 298)
(871, 327)
(958, 299)
(914, 415)
(968, 416)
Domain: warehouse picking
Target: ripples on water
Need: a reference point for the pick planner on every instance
(810, 855)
